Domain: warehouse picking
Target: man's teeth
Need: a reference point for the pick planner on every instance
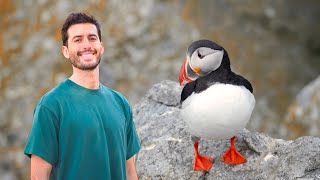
(86, 55)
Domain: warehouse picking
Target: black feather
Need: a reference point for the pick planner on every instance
(188, 89)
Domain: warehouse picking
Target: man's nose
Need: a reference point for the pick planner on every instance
(86, 44)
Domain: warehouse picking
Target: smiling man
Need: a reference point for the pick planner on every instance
(82, 129)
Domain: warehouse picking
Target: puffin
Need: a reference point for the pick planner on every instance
(216, 103)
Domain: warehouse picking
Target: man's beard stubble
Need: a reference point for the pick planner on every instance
(76, 62)
(84, 67)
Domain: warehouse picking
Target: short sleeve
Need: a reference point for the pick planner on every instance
(133, 144)
(43, 138)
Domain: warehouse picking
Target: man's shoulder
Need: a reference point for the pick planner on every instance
(54, 95)
(113, 92)
(119, 97)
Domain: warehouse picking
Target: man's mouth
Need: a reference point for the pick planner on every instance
(86, 53)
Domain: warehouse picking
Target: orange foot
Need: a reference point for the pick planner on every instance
(232, 156)
(201, 163)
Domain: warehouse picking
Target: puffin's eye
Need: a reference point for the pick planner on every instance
(199, 55)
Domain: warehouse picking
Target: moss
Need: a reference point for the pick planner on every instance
(187, 10)
(99, 8)
(6, 7)
(2, 58)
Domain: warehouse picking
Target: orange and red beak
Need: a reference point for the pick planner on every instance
(183, 76)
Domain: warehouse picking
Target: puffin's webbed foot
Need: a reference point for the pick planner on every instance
(232, 156)
(201, 163)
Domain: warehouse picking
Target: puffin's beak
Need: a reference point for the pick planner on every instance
(183, 75)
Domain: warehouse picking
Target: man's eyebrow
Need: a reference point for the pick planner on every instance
(80, 36)
(93, 35)
(77, 36)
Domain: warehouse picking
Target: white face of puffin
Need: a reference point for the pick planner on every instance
(203, 61)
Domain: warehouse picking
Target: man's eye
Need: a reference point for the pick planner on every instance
(76, 40)
(93, 39)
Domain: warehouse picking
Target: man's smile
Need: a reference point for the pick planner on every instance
(86, 53)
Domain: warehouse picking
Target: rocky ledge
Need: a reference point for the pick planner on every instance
(167, 151)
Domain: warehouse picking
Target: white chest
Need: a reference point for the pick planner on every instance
(220, 112)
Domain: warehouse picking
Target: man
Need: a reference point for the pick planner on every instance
(82, 129)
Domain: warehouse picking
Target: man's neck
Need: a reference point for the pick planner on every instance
(86, 78)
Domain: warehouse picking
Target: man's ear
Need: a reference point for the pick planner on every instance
(65, 52)
(102, 50)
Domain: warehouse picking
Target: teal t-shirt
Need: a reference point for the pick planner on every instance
(83, 133)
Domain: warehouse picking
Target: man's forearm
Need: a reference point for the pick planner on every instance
(40, 169)
(131, 170)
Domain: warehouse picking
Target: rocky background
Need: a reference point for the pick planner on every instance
(274, 44)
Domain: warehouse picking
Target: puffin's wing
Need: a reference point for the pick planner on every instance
(245, 83)
(187, 90)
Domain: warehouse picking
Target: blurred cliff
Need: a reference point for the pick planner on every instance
(274, 44)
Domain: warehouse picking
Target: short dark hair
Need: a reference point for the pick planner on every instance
(77, 18)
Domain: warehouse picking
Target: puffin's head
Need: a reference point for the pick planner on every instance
(203, 57)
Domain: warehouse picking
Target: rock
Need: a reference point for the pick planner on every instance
(167, 151)
(303, 116)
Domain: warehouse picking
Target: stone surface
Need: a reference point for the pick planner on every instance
(167, 151)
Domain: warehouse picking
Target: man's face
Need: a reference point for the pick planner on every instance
(84, 47)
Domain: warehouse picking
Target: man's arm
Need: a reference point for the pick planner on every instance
(131, 169)
(40, 169)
